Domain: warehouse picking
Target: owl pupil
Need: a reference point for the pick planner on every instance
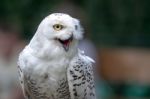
(57, 26)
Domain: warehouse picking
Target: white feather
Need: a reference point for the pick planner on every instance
(45, 55)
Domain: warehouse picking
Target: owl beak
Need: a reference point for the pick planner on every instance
(66, 43)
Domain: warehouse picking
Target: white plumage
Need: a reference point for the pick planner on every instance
(51, 66)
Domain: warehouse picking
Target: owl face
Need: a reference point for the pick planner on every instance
(61, 28)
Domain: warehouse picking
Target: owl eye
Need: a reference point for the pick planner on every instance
(58, 27)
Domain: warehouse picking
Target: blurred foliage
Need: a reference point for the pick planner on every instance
(120, 22)
(26, 14)
(112, 22)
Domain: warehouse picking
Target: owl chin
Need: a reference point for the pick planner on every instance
(66, 43)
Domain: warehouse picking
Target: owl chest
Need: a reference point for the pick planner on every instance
(47, 79)
(53, 70)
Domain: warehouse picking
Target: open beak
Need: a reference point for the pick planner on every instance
(66, 43)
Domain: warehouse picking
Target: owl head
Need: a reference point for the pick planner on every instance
(61, 28)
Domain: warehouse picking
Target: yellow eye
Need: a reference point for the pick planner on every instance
(58, 27)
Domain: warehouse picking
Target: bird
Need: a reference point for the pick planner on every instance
(51, 66)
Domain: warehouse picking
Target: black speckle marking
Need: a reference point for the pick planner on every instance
(19, 68)
(71, 72)
(33, 88)
(75, 94)
(63, 90)
(45, 76)
(82, 79)
(76, 27)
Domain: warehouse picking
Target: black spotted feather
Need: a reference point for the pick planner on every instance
(80, 78)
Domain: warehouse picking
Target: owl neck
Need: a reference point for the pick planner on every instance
(46, 49)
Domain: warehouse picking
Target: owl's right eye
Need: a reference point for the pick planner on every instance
(58, 27)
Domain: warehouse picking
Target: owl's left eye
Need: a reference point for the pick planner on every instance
(58, 27)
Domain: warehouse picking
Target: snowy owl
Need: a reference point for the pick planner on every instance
(51, 66)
